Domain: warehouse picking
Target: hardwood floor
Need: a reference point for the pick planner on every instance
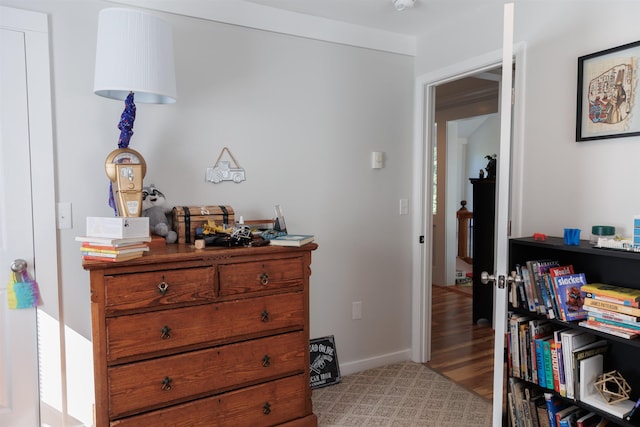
(460, 350)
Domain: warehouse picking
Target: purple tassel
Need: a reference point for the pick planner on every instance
(126, 130)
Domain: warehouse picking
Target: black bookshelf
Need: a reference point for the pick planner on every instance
(621, 268)
(484, 201)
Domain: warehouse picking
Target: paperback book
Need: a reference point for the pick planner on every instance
(116, 250)
(611, 315)
(572, 339)
(618, 308)
(634, 326)
(611, 293)
(562, 270)
(292, 240)
(587, 351)
(112, 241)
(570, 296)
(611, 329)
(97, 256)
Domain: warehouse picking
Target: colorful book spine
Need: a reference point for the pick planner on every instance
(532, 267)
(612, 299)
(552, 309)
(625, 294)
(542, 376)
(539, 328)
(554, 405)
(525, 338)
(610, 329)
(543, 284)
(562, 386)
(554, 272)
(619, 308)
(635, 326)
(611, 315)
(554, 365)
(526, 279)
(548, 364)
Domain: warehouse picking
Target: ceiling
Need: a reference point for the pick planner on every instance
(373, 24)
(381, 14)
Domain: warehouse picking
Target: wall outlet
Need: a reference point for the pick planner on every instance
(356, 310)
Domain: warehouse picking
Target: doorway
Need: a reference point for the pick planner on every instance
(508, 191)
(467, 127)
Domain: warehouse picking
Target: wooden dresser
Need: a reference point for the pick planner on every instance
(213, 337)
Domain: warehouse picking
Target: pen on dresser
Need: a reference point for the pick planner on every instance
(633, 410)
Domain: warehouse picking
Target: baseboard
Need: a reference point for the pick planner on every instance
(374, 362)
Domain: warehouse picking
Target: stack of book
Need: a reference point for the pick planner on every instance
(115, 239)
(612, 309)
(112, 249)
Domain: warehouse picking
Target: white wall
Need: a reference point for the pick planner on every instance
(301, 116)
(565, 183)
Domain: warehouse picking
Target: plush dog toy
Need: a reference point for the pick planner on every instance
(153, 207)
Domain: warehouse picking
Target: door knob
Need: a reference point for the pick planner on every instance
(18, 265)
(502, 280)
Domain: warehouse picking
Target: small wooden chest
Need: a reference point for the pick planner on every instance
(187, 218)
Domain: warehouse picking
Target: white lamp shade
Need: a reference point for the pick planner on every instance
(134, 53)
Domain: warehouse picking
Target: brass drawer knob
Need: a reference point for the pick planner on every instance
(264, 279)
(264, 316)
(164, 333)
(266, 361)
(166, 383)
(163, 287)
(266, 408)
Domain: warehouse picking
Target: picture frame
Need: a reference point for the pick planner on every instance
(608, 88)
(323, 361)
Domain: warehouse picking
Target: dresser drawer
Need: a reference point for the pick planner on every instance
(162, 331)
(158, 288)
(150, 384)
(259, 406)
(245, 277)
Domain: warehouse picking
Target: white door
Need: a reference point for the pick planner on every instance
(19, 396)
(502, 215)
(27, 206)
(421, 327)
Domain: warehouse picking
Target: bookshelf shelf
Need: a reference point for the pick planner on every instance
(608, 266)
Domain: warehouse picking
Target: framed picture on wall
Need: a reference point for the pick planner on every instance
(608, 89)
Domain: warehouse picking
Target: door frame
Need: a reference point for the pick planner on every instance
(424, 108)
(35, 27)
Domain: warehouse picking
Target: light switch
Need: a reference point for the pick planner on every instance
(377, 160)
(64, 216)
(404, 206)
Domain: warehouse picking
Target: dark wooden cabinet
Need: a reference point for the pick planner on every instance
(213, 337)
(619, 268)
(484, 201)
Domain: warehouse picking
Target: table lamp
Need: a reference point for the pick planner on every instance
(134, 59)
